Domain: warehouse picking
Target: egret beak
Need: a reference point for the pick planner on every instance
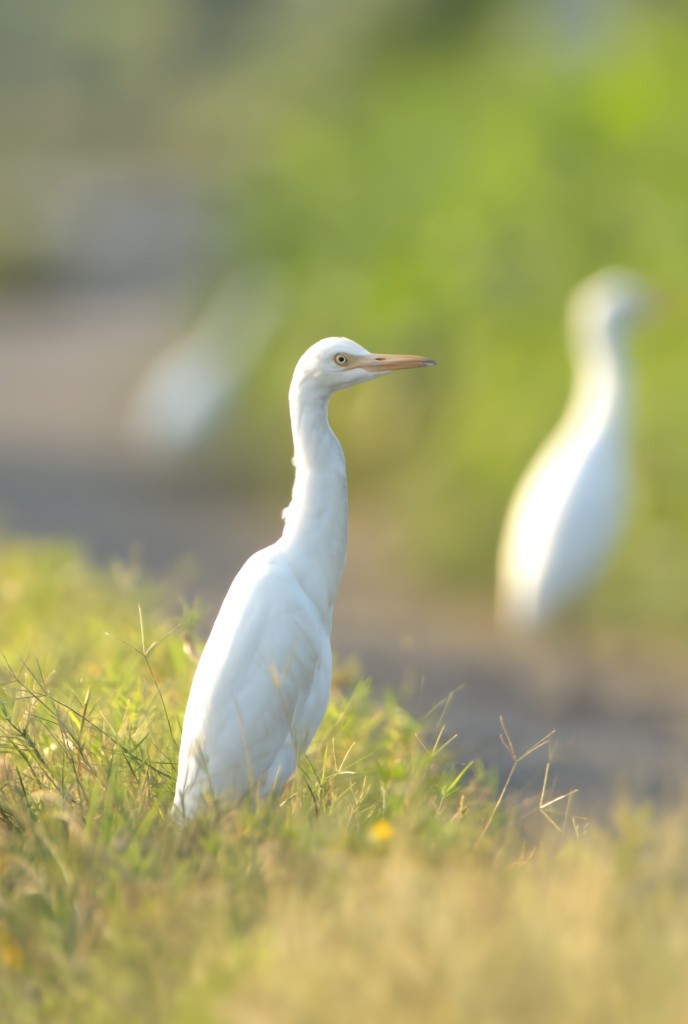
(384, 363)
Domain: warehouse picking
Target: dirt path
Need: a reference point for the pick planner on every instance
(621, 716)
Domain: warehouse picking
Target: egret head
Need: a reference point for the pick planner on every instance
(335, 363)
(604, 307)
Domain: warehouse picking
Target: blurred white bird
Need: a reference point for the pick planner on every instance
(570, 504)
(262, 684)
(179, 395)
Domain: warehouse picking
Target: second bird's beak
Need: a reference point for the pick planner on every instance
(383, 363)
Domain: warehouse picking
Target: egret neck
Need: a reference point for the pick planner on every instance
(599, 395)
(315, 528)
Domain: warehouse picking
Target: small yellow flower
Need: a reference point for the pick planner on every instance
(381, 831)
(11, 953)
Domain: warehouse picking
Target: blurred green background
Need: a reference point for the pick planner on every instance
(423, 175)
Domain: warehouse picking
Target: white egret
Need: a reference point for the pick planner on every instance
(262, 684)
(186, 388)
(569, 506)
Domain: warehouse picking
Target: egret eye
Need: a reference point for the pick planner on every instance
(340, 359)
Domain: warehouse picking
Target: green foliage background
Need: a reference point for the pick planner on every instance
(426, 176)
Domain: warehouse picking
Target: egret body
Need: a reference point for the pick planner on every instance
(569, 506)
(262, 684)
(178, 399)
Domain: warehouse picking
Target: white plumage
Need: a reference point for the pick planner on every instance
(262, 684)
(569, 506)
(178, 399)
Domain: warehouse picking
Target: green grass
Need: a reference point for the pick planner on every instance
(381, 883)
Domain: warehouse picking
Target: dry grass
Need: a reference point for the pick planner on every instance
(384, 883)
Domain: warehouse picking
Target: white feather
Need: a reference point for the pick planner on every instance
(570, 505)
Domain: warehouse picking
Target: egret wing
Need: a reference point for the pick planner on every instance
(590, 522)
(252, 705)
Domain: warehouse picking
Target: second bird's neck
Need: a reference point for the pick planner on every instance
(315, 525)
(599, 395)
